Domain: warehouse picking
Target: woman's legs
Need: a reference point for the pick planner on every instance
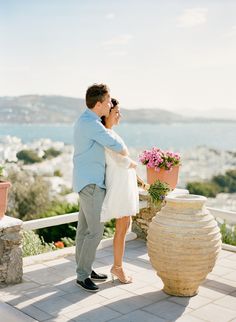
(122, 226)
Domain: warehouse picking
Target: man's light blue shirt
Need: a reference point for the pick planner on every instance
(90, 138)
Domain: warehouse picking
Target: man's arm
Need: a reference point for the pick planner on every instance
(124, 152)
(101, 135)
(123, 161)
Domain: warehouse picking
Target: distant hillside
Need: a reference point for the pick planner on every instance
(39, 109)
(150, 116)
(61, 109)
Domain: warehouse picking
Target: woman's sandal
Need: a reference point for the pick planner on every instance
(120, 274)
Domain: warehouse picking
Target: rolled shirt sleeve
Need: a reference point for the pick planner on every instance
(122, 161)
(104, 137)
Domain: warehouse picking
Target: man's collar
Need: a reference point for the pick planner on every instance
(92, 114)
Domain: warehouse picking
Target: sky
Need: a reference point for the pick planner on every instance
(178, 55)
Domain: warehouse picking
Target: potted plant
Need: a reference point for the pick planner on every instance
(152, 198)
(157, 191)
(4, 186)
(162, 165)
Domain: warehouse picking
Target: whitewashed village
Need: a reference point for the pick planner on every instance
(198, 164)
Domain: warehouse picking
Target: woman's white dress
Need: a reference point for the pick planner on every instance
(122, 197)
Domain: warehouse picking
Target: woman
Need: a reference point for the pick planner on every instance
(121, 200)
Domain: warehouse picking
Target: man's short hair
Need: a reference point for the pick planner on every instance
(96, 93)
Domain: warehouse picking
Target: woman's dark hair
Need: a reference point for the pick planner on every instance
(114, 103)
(96, 93)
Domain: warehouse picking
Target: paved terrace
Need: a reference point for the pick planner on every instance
(49, 293)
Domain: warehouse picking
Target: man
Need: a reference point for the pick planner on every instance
(90, 138)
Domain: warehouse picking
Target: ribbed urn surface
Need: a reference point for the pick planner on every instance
(183, 243)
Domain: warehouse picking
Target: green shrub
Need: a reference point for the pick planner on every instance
(228, 234)
(1, 171)
(57, 173)
(32, 244)
(67, 232)
(65, 190)
(59, 208)
(231, 173)
(56, 233)
(51, 153)
(68, 241)
(109, 229)
(29, 195)
(28, 156)
(219, 183)
(231, 176)
(206, 189)
(226, 182)
(29, 198)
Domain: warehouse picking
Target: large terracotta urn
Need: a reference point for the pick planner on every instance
(183, 243)
(4, 186)
(168, 176)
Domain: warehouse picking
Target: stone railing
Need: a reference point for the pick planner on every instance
(10, 234)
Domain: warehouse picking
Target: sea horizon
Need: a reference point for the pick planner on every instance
(217, 135)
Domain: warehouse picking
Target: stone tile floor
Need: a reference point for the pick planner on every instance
(49, 293)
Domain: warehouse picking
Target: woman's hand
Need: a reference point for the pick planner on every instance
(142, 184)
(133, 165)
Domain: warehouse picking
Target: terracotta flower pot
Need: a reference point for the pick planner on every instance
(168, 176)
(183, 243)
(4, 186)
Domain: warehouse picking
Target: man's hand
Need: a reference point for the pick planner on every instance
(124, 152)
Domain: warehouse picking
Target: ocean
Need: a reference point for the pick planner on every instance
(179, 136)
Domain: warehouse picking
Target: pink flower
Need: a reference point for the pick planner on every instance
(158, 159)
